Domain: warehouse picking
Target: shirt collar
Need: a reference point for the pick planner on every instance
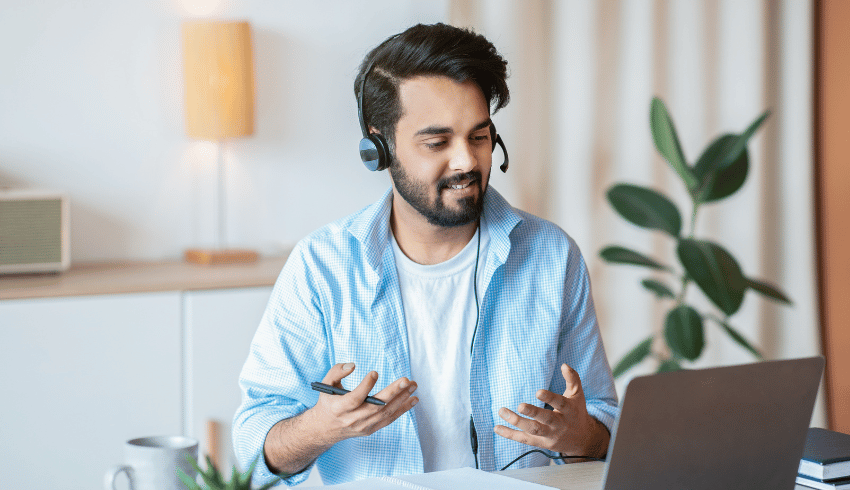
(372, 226)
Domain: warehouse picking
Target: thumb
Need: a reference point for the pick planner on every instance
(573, 382)
(337, 373)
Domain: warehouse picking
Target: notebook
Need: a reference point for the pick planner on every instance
(729, 427)
(460, 478)
(826, 455)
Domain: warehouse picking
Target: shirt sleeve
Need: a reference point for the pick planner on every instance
(289, 350)
(581, 345)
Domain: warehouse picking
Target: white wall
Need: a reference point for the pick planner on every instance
(91, 104)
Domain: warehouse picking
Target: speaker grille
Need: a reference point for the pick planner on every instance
(30, 231)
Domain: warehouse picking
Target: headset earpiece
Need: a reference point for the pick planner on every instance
(374, 152)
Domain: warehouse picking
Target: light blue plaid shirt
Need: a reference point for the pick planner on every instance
(338, 300)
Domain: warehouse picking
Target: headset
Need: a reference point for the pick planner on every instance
(374, 150)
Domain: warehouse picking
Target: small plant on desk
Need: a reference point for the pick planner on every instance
(214, 480)
(718, 173)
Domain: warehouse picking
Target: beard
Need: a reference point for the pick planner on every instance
(416, 193)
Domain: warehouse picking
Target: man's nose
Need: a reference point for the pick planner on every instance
(463, 157)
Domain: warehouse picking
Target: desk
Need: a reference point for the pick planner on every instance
(576, 476)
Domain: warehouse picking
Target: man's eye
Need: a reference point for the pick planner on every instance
(481, 138)
(434, 145)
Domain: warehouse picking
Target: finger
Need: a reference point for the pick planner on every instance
(401, 390)
(393, 389)
(358, 395)
(396, 406)
(546, 417)
(559, 402)
(337, 373)
(390, 417)
(397, 397)
(520, 436)
(573, 389)
(528, 426)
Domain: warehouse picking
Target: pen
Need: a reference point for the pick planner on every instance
(333, 390)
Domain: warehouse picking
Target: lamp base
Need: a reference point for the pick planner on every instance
(207, 256)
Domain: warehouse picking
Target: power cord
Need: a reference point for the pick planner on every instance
(548, 456)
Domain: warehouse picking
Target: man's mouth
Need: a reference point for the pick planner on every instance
(461, 182)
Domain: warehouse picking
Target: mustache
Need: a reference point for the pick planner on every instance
(472, 176)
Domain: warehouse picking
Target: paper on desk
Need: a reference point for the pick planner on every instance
(443, 480)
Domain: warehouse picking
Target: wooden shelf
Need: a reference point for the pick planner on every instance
(140, 277)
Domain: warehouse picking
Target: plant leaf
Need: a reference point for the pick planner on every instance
(669, 365)
(659, 288)
(715, 271)
(635, 356)
(212, 471)
(737, 337)
(622, 255)
(730, 155)
(667, 143)
(211, 478)
(245, 478)
(741, 143)
(187, 480)
(718, 177)
(684, 332)
(646, 208)
(768, 290)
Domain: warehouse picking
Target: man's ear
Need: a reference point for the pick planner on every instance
(373, 130)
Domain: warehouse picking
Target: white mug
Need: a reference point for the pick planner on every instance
(151, 463)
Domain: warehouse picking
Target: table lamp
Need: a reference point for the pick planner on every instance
(219, 78)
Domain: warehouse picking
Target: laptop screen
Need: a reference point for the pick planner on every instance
(729, 427)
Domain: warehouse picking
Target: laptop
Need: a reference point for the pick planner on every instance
(719, 428)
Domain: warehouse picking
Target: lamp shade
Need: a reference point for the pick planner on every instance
(218, 72)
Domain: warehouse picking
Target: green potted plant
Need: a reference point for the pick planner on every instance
(717, 174)
(214, 480)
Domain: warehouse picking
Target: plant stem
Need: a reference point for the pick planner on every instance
(685, 281)
(694, 219)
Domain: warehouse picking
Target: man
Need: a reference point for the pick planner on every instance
(440, 289)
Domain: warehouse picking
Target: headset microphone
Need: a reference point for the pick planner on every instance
(498, 139)
(374, 150)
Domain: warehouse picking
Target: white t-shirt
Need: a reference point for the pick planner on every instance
(440, 312)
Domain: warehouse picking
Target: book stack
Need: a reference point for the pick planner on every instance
(826, 460)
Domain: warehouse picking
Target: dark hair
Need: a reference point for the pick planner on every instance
(437, 49)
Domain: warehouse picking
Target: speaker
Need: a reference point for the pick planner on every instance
(34, 232)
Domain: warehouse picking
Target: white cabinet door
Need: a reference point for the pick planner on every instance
(220, 327)
(78, 377)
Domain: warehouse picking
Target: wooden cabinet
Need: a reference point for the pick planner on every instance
(80, 375)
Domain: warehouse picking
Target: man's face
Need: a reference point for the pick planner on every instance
(443, 150)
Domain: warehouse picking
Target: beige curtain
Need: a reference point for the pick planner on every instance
(582, 77)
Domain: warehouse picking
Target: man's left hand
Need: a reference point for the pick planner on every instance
(568, 429)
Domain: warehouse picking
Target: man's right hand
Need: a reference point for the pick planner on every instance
(292, 444)
(350, 416)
